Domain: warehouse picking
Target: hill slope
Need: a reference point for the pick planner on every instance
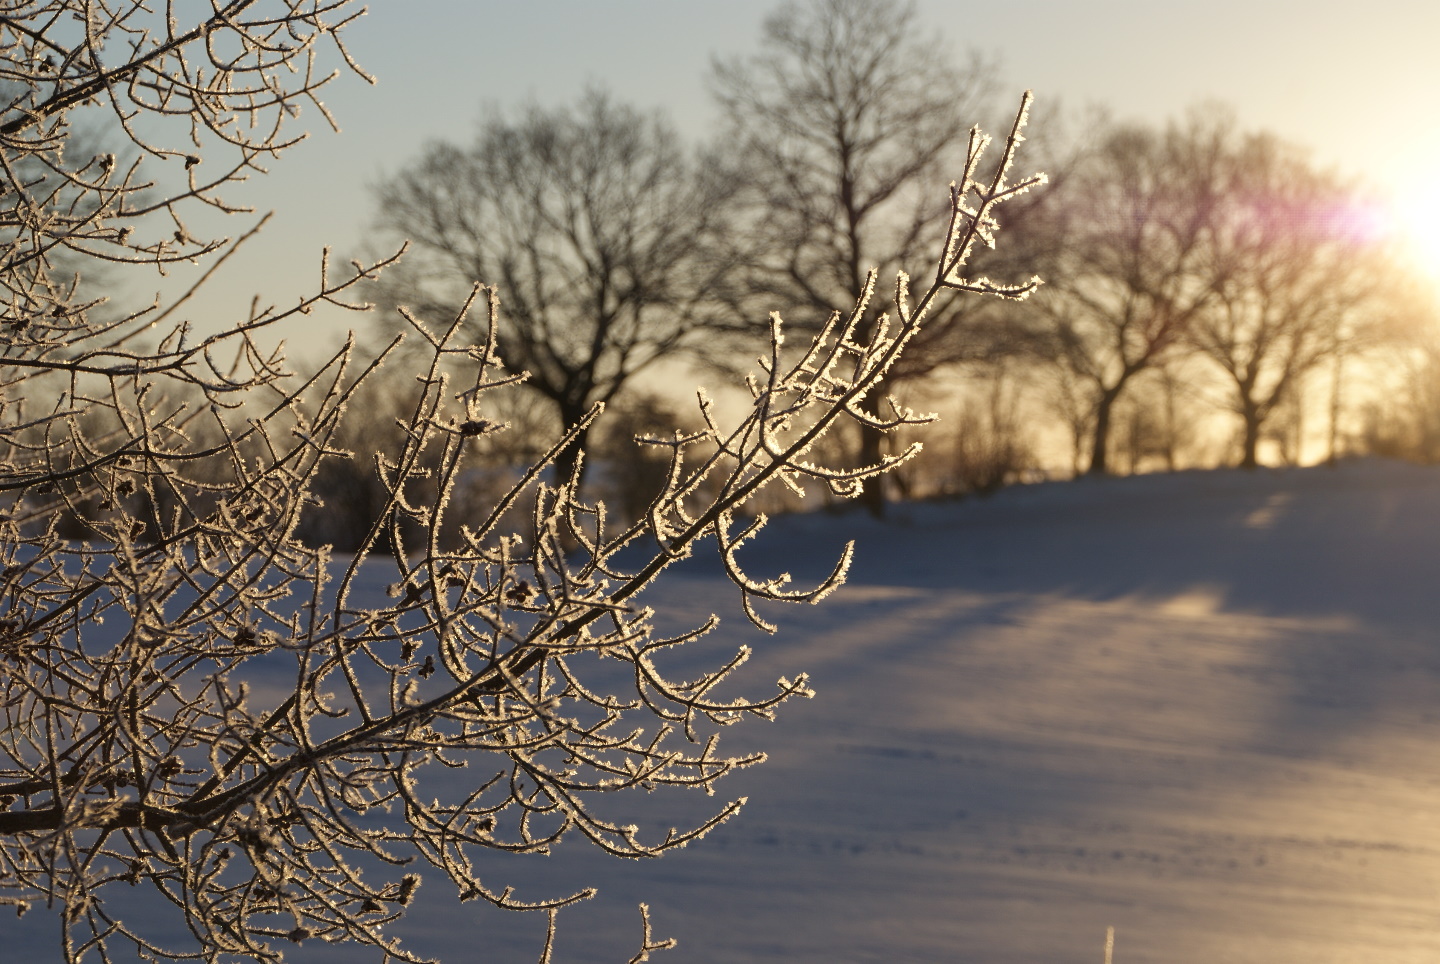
(1200, 708)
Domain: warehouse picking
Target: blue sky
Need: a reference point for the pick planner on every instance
(1356, 83)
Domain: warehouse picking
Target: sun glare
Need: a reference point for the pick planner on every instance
(1419, 215)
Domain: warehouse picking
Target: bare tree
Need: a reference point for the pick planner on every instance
(840, 130)
(1290, 257)
(1399, 404)
(140, 743)
(593, 223)
(1131, 272)
(991, 448)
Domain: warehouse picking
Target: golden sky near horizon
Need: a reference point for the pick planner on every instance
(1356, 85)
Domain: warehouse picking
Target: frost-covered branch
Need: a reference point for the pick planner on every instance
(196, 700)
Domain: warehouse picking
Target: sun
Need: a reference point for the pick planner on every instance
(1419, 215)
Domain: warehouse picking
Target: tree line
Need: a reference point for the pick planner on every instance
(1191, 267)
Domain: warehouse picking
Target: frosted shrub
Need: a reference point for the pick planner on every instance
(198, 704)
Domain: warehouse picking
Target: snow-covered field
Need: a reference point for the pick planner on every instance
(1201, 709)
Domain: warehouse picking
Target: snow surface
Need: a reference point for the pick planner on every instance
(1199, 708)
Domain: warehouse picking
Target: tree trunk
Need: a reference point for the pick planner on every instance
(1100, 441)
(872, 450)
(1251, 441)
(1335, 401)
(566, 461)
(1172, 429)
